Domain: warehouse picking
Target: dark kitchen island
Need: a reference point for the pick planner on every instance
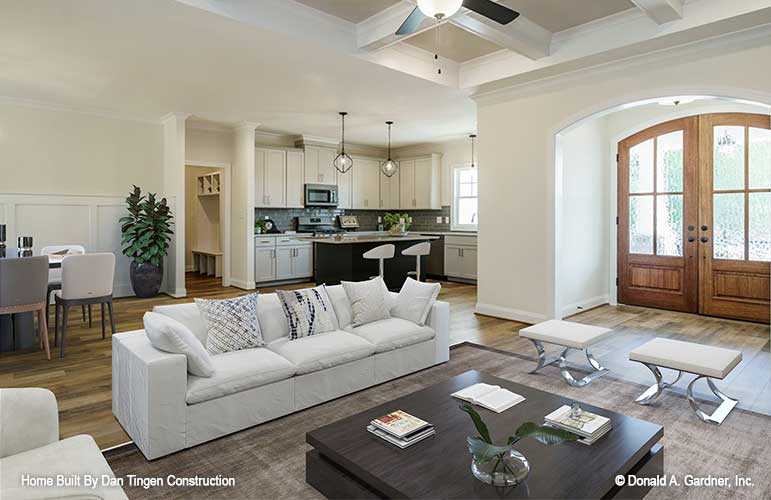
(339, 259)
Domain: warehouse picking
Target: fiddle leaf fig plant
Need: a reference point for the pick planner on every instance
(146, 230)
(483, 449)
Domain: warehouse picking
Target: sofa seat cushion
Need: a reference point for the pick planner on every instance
(392, 333)
(238, 371)
(325, 350)
(75, 456)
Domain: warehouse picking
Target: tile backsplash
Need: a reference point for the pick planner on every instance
(422, 220)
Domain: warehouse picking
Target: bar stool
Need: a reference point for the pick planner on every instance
(86, 279)
(23, 289)
(418, 251)
(55, 275)
(380, 253)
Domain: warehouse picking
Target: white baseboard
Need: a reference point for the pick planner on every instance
(508, 313)
(583, 305)
(178, 293)
(189, 269)
(243, 285)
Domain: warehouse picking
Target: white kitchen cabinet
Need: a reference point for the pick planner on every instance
(270, 177)
(303, 262)
(345, 190)
(389, 191)
(460, 257)
(264, 264)
(419, 183)
(318, 165)
(281, 258)
(366, 183)
(295, 179)
(284, 257)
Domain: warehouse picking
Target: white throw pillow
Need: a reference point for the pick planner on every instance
(232, 324)
(168, 334)
(369, 300)
(308, 311)
(415, 300)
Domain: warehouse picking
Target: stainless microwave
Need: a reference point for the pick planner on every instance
(320, 195)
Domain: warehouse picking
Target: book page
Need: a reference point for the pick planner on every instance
(475, 392)
(499, 399)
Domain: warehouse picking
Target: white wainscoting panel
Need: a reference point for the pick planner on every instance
(91, 221)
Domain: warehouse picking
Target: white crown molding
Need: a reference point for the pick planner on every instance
(51, 106)
(247, 125)
(174, 115)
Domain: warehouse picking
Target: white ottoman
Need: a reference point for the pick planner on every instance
(570, 336)
(704, 361)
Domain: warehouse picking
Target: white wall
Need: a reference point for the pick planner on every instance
(583, 266)
(517, 131)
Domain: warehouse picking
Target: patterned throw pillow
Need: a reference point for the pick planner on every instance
(232, 324)
(308, 311)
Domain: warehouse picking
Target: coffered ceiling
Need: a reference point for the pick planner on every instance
(354, 11)
(454, 43)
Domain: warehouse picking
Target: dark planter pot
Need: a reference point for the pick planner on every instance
(146, 279)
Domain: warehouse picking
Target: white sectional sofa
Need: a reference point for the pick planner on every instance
(165, 409)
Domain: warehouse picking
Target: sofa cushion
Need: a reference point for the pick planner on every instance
(341, 304)
(238, 371)
(325, 350)
(415, 300)
(392, 333)
(270, 314)
(187, 314)
(232, 323)
(169, 335)
(369, 300)
(75, 456)
(308, 311)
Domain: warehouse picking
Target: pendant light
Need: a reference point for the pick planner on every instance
(343, 162)
(473, 137)
(389, 167)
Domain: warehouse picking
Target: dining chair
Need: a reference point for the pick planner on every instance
(418, 251)
(86, 280)
(55, 275)
(23, 290)
(380, 253)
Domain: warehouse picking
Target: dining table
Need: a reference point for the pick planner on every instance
(22, 324)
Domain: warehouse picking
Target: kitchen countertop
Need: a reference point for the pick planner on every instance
(372, 238)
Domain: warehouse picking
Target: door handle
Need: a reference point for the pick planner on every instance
(704, 239)
(691, 239)
(704, 228)
(691, 228)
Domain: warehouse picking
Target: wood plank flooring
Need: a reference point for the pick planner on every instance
(81, 381)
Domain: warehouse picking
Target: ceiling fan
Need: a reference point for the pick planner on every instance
(442, 9)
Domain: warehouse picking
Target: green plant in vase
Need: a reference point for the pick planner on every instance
(393, 222)
(502, 465)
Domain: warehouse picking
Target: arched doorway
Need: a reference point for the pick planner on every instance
(694, 204)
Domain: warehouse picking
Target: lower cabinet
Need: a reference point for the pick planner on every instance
(282, 258)
(264, 264)
(460, 257)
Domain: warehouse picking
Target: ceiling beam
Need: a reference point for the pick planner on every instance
(661, 11)
(379, 31)
(522, 35)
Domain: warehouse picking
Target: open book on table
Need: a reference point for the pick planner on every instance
(492, 397)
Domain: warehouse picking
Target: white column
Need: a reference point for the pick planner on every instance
(174, 191)
(242, 202)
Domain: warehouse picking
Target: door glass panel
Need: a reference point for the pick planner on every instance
(641, 224)
(728, 226)
(760, 226)
(728, 168)
(669, 163)
(641, 167)
(669, 225)
(760, 158)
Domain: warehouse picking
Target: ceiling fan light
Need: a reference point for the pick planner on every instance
(441, 8)
(343, 162)
(389, 167)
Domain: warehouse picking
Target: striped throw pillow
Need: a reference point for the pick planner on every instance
(308, 311)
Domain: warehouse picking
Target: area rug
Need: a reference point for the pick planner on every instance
(268, 461)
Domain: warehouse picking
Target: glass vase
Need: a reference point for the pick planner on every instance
(505, 469)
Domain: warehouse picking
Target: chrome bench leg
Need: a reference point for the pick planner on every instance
(654, 391)
(721, 412)
(541, 356)
(599, 370)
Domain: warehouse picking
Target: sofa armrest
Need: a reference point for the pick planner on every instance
(149, 387)
(29, 419)
(439, 321)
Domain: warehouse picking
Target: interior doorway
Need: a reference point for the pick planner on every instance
(694, 216)
(206, 222)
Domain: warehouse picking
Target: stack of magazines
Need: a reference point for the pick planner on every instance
(401, 429)
(589, 427)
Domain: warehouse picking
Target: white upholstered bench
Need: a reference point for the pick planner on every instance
(570, 336)
(704, 361)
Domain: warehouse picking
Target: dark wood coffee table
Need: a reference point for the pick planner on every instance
(348, 462)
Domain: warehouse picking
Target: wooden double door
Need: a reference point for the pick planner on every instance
(694, 216)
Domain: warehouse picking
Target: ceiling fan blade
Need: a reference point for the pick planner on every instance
(411, 24)
(492, 10)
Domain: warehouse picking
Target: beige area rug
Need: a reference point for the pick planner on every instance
(268, 461)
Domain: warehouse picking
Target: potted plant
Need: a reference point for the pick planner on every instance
(397, 223)
(502, 465)
(146, 232)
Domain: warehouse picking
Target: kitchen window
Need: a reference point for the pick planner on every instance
(465, 199)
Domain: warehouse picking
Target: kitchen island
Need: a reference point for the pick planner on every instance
(340, 258)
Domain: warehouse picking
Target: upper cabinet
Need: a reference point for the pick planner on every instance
(419, 183)
(389, 191)
(345, 189)
(318, 165)
(295, 178)
(366, 186)
(270, 177)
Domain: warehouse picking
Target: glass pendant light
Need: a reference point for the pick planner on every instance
(389, 167)
(343, 162)
(472, 136)
(439, 8)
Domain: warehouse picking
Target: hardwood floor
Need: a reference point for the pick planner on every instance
(81, 381)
